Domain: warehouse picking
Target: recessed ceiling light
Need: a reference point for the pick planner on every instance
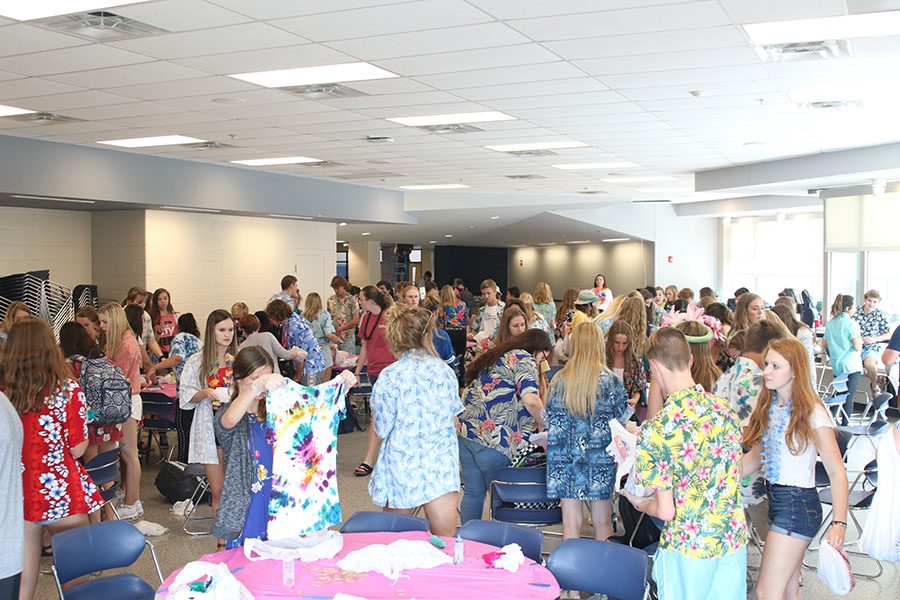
(537, 146)
(473, 117)
(285, 160)
(147, 142)
(617, 240)
(342, 224)
(639, 179)
(599, 165)
(358, 71)
(666, 190)
(9, 111)
(495, 217)
(365, 233)
(433, 242)
(825, 28)
(579, 242)
(73, 200)
(191, 209)
(448, 235)
(26, 11)
(547, 244)
(292, 217)
(438, 186)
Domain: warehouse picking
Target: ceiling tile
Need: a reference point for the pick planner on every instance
(184, 87)
(181, 15)
(383, 20)
(502, 76)
(568, 120)
(469, 60)
(649, 43)
(22, 38)
(519, 90)
(617, 108)
(625, 21)
(760, 11)
(234, 38)
(719, 88)
(163, 120)
(389, 100)
(32, 86)
(691, 59)
(269, 59)
(242, 111)
(468, 37)
(523, 9)
(120, 111)
(277, 9)
(687, 77)
(60, 102)
(94, 56)
(419, 111)
(399, 85)
(705, 102)
(558, 100)
(148, 72)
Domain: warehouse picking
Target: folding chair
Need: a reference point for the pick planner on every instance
(879, 404)
(104, 470)
(159, 419)
(601, 568)
(98, 547)
(519, 496)
(197, 497)
(371, 520)
(500, 534)
(835, 395)
(363, 390)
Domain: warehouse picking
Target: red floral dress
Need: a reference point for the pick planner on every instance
(221, 377)
(54, 484)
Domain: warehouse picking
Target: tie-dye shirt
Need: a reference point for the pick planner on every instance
(304, 482)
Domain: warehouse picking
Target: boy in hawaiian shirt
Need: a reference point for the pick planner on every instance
(690, 454)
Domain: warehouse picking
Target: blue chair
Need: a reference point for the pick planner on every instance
(553, 371)
(519, 496)
(601, 568)
(104, 470)
(369, 521)
(158, 420)
(109, 545)
(500, 534)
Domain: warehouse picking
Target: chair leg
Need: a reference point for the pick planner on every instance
(202, 487)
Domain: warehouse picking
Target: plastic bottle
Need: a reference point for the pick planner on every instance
(458, 551)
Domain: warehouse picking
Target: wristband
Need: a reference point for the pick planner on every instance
(841, 523)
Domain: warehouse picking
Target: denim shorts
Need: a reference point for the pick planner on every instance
(794, 511)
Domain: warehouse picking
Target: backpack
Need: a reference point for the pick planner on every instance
(176, 482)
(106, 390)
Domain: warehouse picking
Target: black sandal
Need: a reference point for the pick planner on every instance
(363, 470)
(46, 551)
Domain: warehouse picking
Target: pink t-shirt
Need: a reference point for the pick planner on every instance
(128, 358)
(378, 355)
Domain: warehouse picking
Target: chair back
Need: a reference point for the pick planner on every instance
(158, 410)
(104, 469)
(839, 383)
(519, 495)
(369, 521)
(500, 534)
(96, 547)
(600, 568)
(843, 441)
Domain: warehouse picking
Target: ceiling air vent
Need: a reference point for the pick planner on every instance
(814, 50)
(321, 164)
(44, 118)
(211, 145)
(534, 153)
(451, 129)
(658, 201)
(379, 139)
(324, 91)
(370, 175)
(531, 176)
(100, 26)
(591, 192)
(832, 105)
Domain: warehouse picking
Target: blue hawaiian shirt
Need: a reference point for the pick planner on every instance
(184, 345)
(296, 331)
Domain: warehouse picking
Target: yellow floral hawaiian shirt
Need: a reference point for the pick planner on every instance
(693, 448)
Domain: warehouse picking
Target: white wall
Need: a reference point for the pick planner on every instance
(363, 263)
(693, 244)
(33, 239)
(118, 254)
(210, 261)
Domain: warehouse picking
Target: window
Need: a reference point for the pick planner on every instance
(342, 267)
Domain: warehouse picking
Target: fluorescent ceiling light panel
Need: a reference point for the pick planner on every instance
(191, 209)
(342, 224)
(617, 240)
(359, 71)
(647, 179)
(146, 142)
(825, 28)
(537, 146)
(599, 165)
(11, 111)
(292, 217)
(579, 242)
(25, 11)
(474, 117)
(437, 186)
(284, 160)
(365, 233)
(24, 197)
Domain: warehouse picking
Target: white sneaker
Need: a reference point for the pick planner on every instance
(120, 496)
(130, 513)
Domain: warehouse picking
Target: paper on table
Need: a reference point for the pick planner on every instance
(625, 463)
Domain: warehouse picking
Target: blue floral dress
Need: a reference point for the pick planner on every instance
(578, 465)
(413, 403)
(257, 521)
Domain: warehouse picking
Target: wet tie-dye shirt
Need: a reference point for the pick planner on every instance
(304, 467)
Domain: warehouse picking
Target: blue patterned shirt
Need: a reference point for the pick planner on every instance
(184, 345)
(297, 332)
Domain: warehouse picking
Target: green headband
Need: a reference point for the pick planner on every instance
(695, 339)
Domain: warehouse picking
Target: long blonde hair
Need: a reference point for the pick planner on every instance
(567, 304)
(508, 315)
(530, 313)
(633, 312)
(613, 309)
(621, 327)
(10, 317)
(117, 328)
(740, 310)
(448, 297)
(799, 432)
(703, 370)
(542, 293)
(581, 375)
(313, 306)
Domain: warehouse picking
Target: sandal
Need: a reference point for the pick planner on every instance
(363, 470)
(220, 546)
(46, 551)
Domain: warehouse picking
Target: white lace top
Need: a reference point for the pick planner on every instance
(780, 465)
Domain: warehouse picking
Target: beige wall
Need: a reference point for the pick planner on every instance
(211, 261)
(363, 264)
(34, 239)
(626, 266)
(118, 254)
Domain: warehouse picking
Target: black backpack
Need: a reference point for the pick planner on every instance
(176, 482)
(106, 390)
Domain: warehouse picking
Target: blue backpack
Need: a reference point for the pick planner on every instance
(106, 390)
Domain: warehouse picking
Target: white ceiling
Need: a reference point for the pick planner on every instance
(616, 75)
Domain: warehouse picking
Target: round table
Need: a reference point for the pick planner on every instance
(321, 580)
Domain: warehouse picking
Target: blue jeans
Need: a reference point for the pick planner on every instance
(852, 384)
(480, 466)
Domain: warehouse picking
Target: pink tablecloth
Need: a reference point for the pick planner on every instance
(322, 579)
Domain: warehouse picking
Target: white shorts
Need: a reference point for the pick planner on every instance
(137, 407)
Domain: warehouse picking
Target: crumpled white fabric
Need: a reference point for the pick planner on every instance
(149, 528)
(392, 559)
(224, 585)
(880, 538)
(345, 359)
(317, 546)
(512, 558)
(834, 570)
(625, 463)
(182, 507)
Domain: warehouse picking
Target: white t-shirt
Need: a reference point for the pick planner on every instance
(619, 372)
(12, 521)
(793, 469)
(490, 319)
